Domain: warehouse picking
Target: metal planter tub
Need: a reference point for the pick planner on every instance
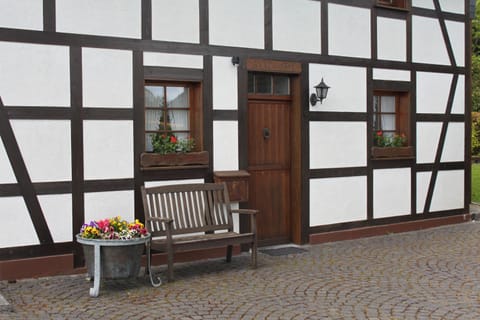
(112, 259)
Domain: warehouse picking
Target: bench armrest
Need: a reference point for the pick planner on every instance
(245, 211)
(253, 218)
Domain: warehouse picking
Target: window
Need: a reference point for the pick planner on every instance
(385, 119)
(391, 119)
(401, 4)
(171, 110)
(268, 84)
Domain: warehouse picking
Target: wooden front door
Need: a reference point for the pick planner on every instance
(269, 166)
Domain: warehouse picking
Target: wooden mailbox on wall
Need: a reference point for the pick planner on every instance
(237, 183)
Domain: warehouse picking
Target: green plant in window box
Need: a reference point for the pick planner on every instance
(169, 151)
(391, 146)
(384, 141)
(169, 143)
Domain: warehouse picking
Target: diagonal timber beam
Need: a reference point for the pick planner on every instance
(23, 178)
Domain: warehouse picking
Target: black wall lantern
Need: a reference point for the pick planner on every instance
(322, 90)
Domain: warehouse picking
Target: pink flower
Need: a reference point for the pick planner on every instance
(104, 224)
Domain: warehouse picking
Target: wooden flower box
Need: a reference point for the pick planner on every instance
(392, 152)
(150, 160)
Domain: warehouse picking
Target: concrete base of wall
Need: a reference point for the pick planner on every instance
(371, 231)
(13, 270)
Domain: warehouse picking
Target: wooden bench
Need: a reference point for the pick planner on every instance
(194, 216)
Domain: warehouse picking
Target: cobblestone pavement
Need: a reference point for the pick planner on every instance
(429, 274)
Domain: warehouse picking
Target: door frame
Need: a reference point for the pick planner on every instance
(298, 223)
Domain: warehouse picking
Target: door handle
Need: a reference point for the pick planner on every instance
(266, 133)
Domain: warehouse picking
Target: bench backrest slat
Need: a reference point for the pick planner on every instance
(217, 213)
(208, 209)
(186, 211)
(193, 208)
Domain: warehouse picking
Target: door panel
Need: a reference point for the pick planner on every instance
(269, 167)
(270, 193)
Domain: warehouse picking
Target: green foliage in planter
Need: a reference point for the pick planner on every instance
(169, 143)
(166, 142)
(382, 140)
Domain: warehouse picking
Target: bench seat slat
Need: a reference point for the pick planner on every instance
(211, 240)
(190, 230)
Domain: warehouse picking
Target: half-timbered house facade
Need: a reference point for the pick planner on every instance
(84, 85)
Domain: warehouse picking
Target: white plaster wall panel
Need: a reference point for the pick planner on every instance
(458, 106)
(348, 31)
(236, 217)
(348, 92)
(337, 144)
(149, 184)
(428, 45)
(391, 47)
(296, 25)
(46, 148)
(225, 145)
(391, 75)
(174, 20)
(18, 217)
(21, 14)
(423, 182)
(391, 192)
(428, 135)
(432, 92)
(108, 149)
(57, 209)
(236, 23)
(454, 6)
(449, 191)
(225, 84)
(34, 75)
(102, 205)
(107, 78)
(157, 59)
(456, 35)
(6, 172)
(337, 200)
(115, 18)
(427, 4)
(454, 148)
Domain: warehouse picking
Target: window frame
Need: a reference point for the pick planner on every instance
(195, 114)
(403, 125)
(378, 114)
(272, 92)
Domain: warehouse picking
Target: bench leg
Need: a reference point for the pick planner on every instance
(170, 265)
(229, 253)
(254, 254)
